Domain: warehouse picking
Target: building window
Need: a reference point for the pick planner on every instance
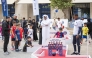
(81, 9)
(44, 9)
(11, 9)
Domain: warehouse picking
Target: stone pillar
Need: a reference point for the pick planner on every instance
(90, 10)
(21, 10)
(1, 13)
(30, 11)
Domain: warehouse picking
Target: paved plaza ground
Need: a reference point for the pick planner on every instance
(28, 55)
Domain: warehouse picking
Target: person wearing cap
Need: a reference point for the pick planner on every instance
(76, 35)
(6, 34)
(14, 19)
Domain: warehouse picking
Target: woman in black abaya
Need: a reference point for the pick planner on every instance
(40, 34)
(35, 38)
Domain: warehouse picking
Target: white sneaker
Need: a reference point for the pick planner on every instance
(6, 53)
(9, 52)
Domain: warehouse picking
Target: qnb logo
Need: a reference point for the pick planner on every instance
(65, 32)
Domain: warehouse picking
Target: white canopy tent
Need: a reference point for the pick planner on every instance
(81, 1)
(30, 1)
(47, 1)
(9, 1)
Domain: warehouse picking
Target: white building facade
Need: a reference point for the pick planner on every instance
(23, 8)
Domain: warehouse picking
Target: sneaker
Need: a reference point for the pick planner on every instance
(6, 53)
(77, 53)
(73, 53)
(17, 50)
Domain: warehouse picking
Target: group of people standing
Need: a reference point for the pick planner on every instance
(81, 31)
(26, 25)
(6, 29)
(12, 28)
(27, 29)
(45, 25)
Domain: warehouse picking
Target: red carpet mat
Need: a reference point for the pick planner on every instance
(57, 56)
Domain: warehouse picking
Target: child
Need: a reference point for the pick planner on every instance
(59, 34)
(18, 37)
(27, 44)
(21, 31)
(25, 32)
(13, 28)
(21, 34)
(84, 32)
(30, 32)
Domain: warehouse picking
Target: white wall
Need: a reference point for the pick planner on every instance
(81, 1)
(30, 11)
(26, 10)
(90, 10)
(21, 10)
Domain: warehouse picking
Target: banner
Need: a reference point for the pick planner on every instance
(4, 7)
(35, 7)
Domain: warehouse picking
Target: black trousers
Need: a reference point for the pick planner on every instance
(25, 48)
(25, 38)
(76, 40)
(40, 37)
(6, 41)
(17, 44)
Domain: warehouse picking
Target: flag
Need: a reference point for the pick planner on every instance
(4, 7)
(35, 7)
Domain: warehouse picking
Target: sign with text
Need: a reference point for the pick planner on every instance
(4, 7)
(35, 7)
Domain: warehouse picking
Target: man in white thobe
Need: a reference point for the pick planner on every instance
(45, 29)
